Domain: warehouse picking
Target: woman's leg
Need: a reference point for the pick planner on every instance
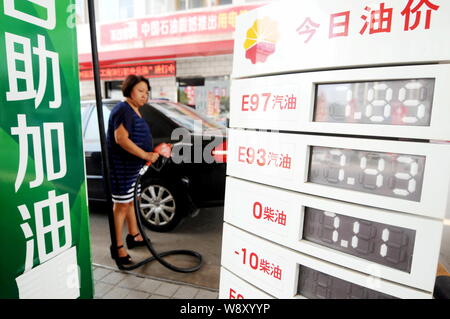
(133, 228)
(120, 214)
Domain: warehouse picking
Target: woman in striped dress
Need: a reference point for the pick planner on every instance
(129, 145)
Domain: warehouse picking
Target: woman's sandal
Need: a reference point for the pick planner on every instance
(131, 243)
(125, 260)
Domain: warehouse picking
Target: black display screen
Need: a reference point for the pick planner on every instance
(314, 284)
(388, 174)
(394, 102)
(380, 243)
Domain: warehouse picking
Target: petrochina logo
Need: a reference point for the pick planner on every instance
(261, 40)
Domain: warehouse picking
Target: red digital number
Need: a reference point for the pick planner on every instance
(241, 154)
(262, 157)
(257, 210)
(252, 102)
(253, 259)
(245, 102)
(267, 96)
(249, 155)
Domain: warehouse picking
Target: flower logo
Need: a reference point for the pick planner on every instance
(261, 40)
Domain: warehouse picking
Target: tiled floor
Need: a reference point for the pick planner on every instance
(111, 283)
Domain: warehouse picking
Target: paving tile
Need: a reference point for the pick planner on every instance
(133, 294)
(167, 289)
(101, 288)
(131, 282)
(186, 292)
(100, 273)
(117, 293)
(206, 294)
(114, 278)
(149, 285)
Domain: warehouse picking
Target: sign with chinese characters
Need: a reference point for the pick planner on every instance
(311, 35)
(277, 270)
(401, 101)
(44, 232)
(374, 241)
(120, 72)
(170, 26)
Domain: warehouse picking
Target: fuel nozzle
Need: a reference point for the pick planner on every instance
(164, 149)
(165, 152)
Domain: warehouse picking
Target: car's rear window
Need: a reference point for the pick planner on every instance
(186, 116)
(91, 134)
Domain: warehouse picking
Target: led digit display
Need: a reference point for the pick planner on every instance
(388, 174)
(314, 284)
(397, 102)
(381, 243)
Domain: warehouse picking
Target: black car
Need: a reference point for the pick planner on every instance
(193, 178)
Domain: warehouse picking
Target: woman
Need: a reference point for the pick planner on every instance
(129, 144)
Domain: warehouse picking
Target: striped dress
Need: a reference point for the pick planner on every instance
(125, 166)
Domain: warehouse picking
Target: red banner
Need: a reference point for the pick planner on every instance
(120, 72)
(183, 24)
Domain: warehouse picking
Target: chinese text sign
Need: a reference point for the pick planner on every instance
(44, 234)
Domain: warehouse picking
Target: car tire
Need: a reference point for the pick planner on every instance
(160, 205)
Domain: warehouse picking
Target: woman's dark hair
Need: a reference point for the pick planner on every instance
(131, 81)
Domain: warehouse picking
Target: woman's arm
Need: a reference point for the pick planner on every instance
(122, 138)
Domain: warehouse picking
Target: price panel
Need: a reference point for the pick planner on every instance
(345, 195)
(410, 177)
(314, 284)
(233, 287)
(382, 243)
(394, 102)
(406, 101)
(388, 174)
(280, 271)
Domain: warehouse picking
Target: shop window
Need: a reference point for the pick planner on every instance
(126, 8)
(155, 7)
(190, 91)
(197, 4)
(113, 10)
(113, 90)
(220, 2)
(181, 4)
(217, 90)
(210, 96)
(191, 4)
(108, 10)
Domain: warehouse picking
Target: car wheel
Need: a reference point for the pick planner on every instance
(160, 206)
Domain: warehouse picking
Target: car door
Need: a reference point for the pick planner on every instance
(92, 151)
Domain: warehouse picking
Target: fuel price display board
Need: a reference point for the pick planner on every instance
(405, 101)
(346, 195)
